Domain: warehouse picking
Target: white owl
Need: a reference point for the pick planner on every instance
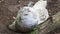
(30, 16)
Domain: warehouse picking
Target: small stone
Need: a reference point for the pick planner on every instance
(14, 17)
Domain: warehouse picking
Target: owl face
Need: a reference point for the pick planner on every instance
(28, 17)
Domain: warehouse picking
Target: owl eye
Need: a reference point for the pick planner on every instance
(29, 11)
(25, 14)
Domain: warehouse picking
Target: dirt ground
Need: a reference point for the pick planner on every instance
(9, 9)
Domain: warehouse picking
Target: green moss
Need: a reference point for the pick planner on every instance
(34, 32)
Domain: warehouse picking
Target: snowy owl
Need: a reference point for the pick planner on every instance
(30, 16)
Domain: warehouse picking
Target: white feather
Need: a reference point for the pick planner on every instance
(39, 11)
